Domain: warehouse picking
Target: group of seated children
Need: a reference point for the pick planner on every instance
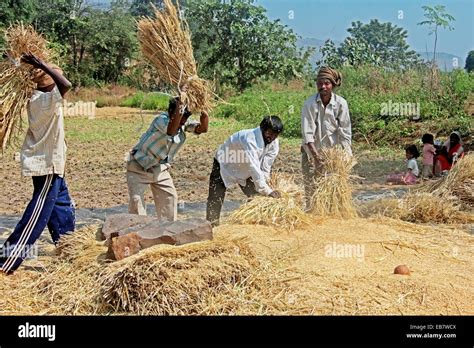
(437, 159)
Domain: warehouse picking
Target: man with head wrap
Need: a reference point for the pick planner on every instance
(325, 122)
(43, 157)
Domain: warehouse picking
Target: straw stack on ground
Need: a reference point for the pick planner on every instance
(166, 42)
(420, 207)
(442, 201)
(16, 83)
(70, 283)
(333, 194)
(458, 183)
(284, 212)
(206, 278)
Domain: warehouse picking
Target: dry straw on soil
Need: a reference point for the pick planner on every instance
(421, 207)
(212, 278)
(333, 194)
(16, 83)
(458, 183)
(258, 270)
(166, 42)
(284, 212)
(322, 283)
(448, 200)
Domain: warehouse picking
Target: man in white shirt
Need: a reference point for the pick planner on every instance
(246, 158)
(43, 158)
(325, 122)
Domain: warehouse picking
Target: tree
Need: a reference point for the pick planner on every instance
(112, 42)
(375, 43)
(235, 43)
(140, 8)
(16, 10)
(470, 62)
(66, 23)
(436, 17)
(97, 44)
(12, 11)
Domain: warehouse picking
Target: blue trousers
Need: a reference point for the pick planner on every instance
(50, 206)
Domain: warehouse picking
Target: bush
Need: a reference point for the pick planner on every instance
(366, 90)
(255, 103)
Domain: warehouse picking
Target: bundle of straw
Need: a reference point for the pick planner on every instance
(194, 279)
(166, 42)
(333, 194)
(70, 282)
(425, 207)
(284, 212)
(80, 245)
(16, 83)
(419, 207)
(459, 182)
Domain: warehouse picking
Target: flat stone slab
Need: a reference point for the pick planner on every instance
(141, 232)
(121, 222)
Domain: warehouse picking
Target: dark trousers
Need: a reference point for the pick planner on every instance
(217, 190)
(50, 206)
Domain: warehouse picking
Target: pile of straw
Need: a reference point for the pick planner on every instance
(458, 183)
(318, 283)
(333, 193)
(166, 42)
(201, 278)
(284, 212)
(419, 207)
(16, 83)
(70, 282)
(442, 201)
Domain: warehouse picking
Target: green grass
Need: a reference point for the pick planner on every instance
(147, 101)
(111, 130)
(251, 106)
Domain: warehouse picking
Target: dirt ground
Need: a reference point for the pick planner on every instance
(95, 169)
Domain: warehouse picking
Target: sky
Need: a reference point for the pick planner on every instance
(329, 19)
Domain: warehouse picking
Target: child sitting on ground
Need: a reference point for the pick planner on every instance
(428, 155)
(410, 177)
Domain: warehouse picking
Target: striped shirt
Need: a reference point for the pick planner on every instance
(156, 147)
(44, 148)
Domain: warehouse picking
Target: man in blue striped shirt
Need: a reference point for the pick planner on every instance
(151, 158)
